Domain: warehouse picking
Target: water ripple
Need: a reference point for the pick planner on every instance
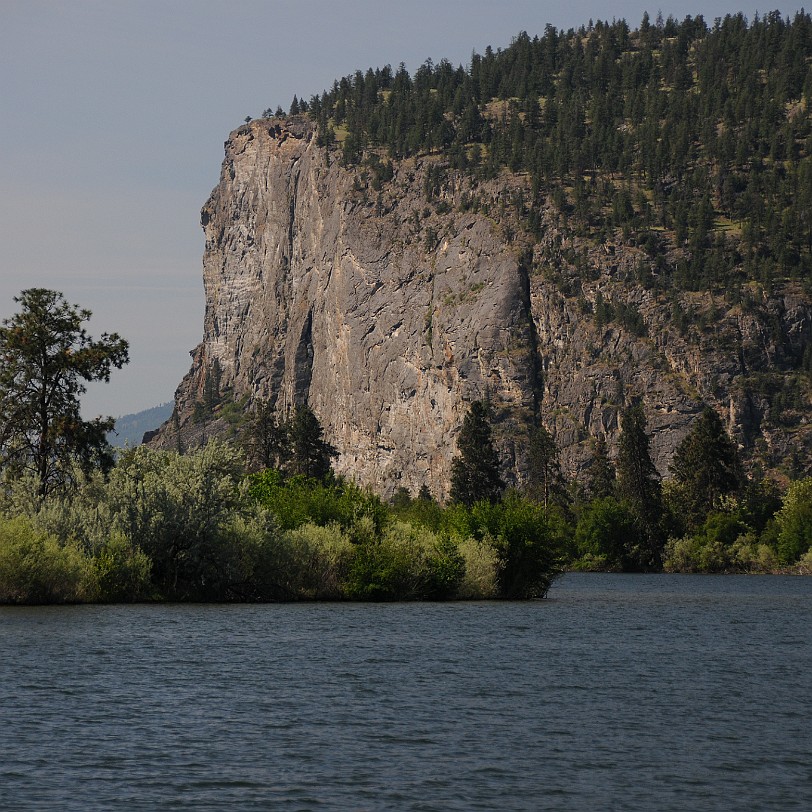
(621, 692)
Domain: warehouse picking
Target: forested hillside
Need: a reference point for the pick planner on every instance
(691, 141)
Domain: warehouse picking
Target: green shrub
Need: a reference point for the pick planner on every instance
(405, 563)
(589, 562)
(445, 568)
(178, 508)
(713, 548)
(317, 562)
(528, 539)
(481, 578)
(805, 563)
(794, 521)
(122, 571)
(162, 525)
(254, 562)
(36, 569)
(608, 534)
(749, 554)
(19, 496)
(299, 500)
(422, 512)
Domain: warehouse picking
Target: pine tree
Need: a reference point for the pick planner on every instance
(601, 481)
(545, 482)
(267, 440)
(46, 357)
(475, 472)
(638, 482)
(705, 467)
(310, 454)
(424, 494)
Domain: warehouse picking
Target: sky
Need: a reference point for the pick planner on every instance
(113, 115)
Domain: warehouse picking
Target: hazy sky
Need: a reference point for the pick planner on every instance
(112, 121)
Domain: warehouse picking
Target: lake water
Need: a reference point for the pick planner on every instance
(619, 692)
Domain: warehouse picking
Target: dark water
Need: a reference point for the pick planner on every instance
(618, 693)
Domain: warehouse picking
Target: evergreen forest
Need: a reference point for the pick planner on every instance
(692, 141)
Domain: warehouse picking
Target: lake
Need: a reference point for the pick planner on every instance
(618, 692)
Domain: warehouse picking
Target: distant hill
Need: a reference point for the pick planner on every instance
(131, 427)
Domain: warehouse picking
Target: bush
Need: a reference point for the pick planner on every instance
(177, 509)
(122, 571)
(750, 554)
(794, 521)
(608, 537)
(35, 568)
(528, 539)
(301, 500)
(713, 548)
(481, 578)
(422, 512)
(317, 562)
(405, 563)
(19, 496)
(180, 511)
(805, 563)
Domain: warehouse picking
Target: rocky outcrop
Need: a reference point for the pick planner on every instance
(389, 304)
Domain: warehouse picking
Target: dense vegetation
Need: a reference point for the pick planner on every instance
(167, 526)
(74, 526)
(693, 142)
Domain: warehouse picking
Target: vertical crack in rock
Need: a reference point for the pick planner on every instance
(303, 363)
(535, 366)
(292, 211)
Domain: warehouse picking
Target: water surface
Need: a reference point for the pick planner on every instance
(618, 692)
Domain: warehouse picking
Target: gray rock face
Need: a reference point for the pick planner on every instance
(388, 313)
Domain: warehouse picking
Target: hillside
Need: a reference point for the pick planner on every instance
(130, 428)
(578, 221)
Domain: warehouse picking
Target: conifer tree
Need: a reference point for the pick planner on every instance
(475, 472)
(310, 453)
(638, 482)
(705, 467)
(267, 441)
(601, 481)
(545, 482)
(46, 357)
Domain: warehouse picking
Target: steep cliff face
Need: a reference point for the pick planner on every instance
(316, 293)
(389, 305)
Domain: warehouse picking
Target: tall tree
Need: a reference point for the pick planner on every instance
(638, 482)
(45, 357)
(267, 439)
(601, 473)
(705, 467)
(310, 453)
(545, 481)
(475, 472)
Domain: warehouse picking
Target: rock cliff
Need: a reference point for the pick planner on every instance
(389, 303)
